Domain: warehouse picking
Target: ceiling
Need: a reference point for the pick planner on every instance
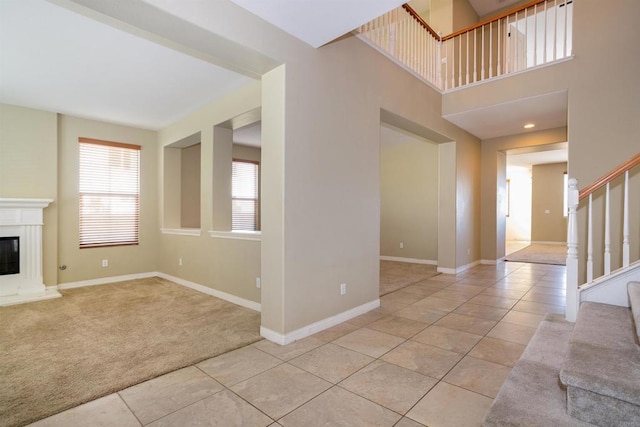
(554, 155)
(485, 7)
(317, 22)
(546, 111)
(250, 135)
(54, 59)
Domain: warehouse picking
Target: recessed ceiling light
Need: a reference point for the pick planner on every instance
(529, 125)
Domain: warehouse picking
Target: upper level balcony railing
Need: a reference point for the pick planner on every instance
(534, 34)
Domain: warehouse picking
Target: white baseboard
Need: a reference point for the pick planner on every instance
(458, 270)
(104, 280)
(213, 292)
(321, 325)
(409, 260)
(201, 288)
(49, 293)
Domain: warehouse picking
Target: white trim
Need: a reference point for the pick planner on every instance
(611, 289)
(182, 231)
(458, 270)
(238, 235)
(505, 75)
(409, 260)
(195, 286)
(24, 203)
(316, 327)
(24, 298)
(105, 280)
(213, 292)
(542, 242)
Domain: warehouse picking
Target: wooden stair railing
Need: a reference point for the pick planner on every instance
(574, 198)
(530, 35)
(421, 21)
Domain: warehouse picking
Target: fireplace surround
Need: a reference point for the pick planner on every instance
(21, 223)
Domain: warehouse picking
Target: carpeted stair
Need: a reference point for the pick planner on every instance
(574, 376)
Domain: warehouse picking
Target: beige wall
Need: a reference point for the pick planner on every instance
(29, 169)
(227, 265)
(409, 200)
(442, 16)
(464, 15)
(245, 152)
(85, 264)
(449, 16)
(601, 117)
(548, 223)
(190, 186)
(331, 211)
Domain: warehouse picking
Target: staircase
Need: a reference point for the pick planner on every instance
(577, 375)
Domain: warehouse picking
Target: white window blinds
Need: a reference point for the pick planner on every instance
(109, 193)
(245, 203)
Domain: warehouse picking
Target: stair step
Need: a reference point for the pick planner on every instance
(532, 394)
(634, 299)
(602, 367)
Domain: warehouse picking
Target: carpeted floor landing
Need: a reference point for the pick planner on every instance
(539, 253)
(96, 340)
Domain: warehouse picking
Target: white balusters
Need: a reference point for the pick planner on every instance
(625, 222)
(475, 55)
(491, 49)
(607, 232)
(500, 49)
(459, 60)
(468, 65)
(555, 30)
(510, 39)
(590, 240)
(482, 69)
(572, 252)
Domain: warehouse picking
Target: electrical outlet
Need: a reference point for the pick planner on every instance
(105, 263)
(258, 283)
(180, 261)
(343, 288)
(401, 245)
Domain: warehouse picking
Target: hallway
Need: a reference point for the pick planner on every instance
(435, 353)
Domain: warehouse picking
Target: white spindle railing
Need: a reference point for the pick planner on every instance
(404, 36)
(625, 222)
(622, 212)
(573, 301)
(535, 34)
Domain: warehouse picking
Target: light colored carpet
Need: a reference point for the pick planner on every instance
(539, 253)
(396, 275)
(95, 340)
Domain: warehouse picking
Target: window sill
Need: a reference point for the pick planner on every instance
(182, 231)
(238, 235)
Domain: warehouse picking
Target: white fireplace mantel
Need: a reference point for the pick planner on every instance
(24, 218)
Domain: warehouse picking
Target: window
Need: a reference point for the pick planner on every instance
(245, 198)
(109, 193)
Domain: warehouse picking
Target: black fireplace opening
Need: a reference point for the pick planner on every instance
(9, 255)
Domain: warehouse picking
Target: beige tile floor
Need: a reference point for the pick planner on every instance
(435, 354)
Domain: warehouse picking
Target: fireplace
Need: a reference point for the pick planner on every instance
(21, 222)
(9, 255)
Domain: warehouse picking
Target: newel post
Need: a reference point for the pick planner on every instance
(573, 296)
